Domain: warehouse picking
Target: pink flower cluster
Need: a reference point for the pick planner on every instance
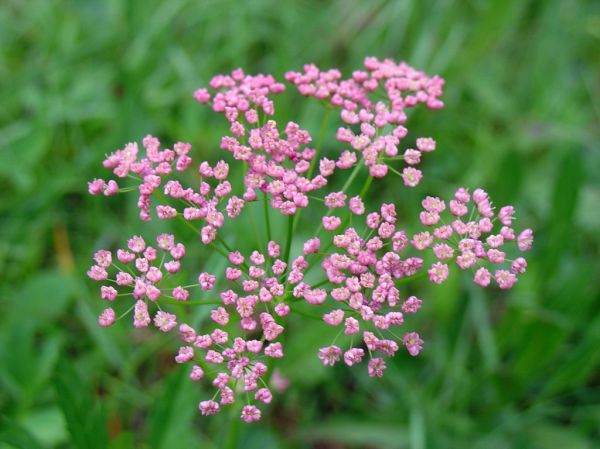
(362, 266)
(139, 273)
(253, 287)
(474, 237)
(209, 203)
(361, 272)
(241, 94)
(277, 165)
(151, 168)
(373, 101)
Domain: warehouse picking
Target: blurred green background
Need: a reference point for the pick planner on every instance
(79, 79)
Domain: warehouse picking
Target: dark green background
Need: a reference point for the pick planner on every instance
(78, 79)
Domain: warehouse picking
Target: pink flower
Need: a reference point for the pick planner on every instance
(97, 273)
(213, 357)
(425, 144)
(141, 318)
(335, 200)
(329, 355)
(413, 343)
(376, 367)
(312, 246)
(107, 317)
(180, 294)
(411, 176)
(274, 249)
(185, 354)
(136, 244)
(112, 188)
(411, 305)
(331, 223)
(209, 408)
(357, 207)
(482, 277)
(518, 266)
(378, 170)
(334, 318)
(165, 321)
(220, 316)
(206, 281)
(274, 350)
(352, 326)
(96, 187)
(108, 293)
(202, 95)
(438, 272)
(496, 256)
(412, 157)
(197, 373)
(250, 414)
(443, 251)
(103, 258)
(422, 240)
(505, 279)
(125, 256)
(525, 240)
(282, 309)
(263, 395)
(316, 296)
(353, 356)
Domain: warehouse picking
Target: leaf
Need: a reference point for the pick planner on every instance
(47, 424)
(170, 422)
(350, 431)
(84, 414)
(16, 436)
(45, 295)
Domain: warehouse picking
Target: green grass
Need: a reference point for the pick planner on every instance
(522, 118)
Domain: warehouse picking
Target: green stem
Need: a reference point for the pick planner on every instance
(353, 175)
(414, 277)
(319, 143)
(267, 217)
(313, 164)
(307, 314)
(394, 170)
(224, 243)
(190, 303)
(233, 434)
(365, 188)
(288, 242)
(319, 284)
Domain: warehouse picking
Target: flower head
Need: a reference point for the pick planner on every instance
(478, 238)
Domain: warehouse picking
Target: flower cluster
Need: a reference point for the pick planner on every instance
(362, 267)
(151, 168)
(474, 237)
(139, 273)
(373, 101)
(237, 365)
(242, 94)
(362, 272)
(251, 303)
(276, 165)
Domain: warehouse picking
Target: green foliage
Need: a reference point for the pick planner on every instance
(85, 417)
(512, 370)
